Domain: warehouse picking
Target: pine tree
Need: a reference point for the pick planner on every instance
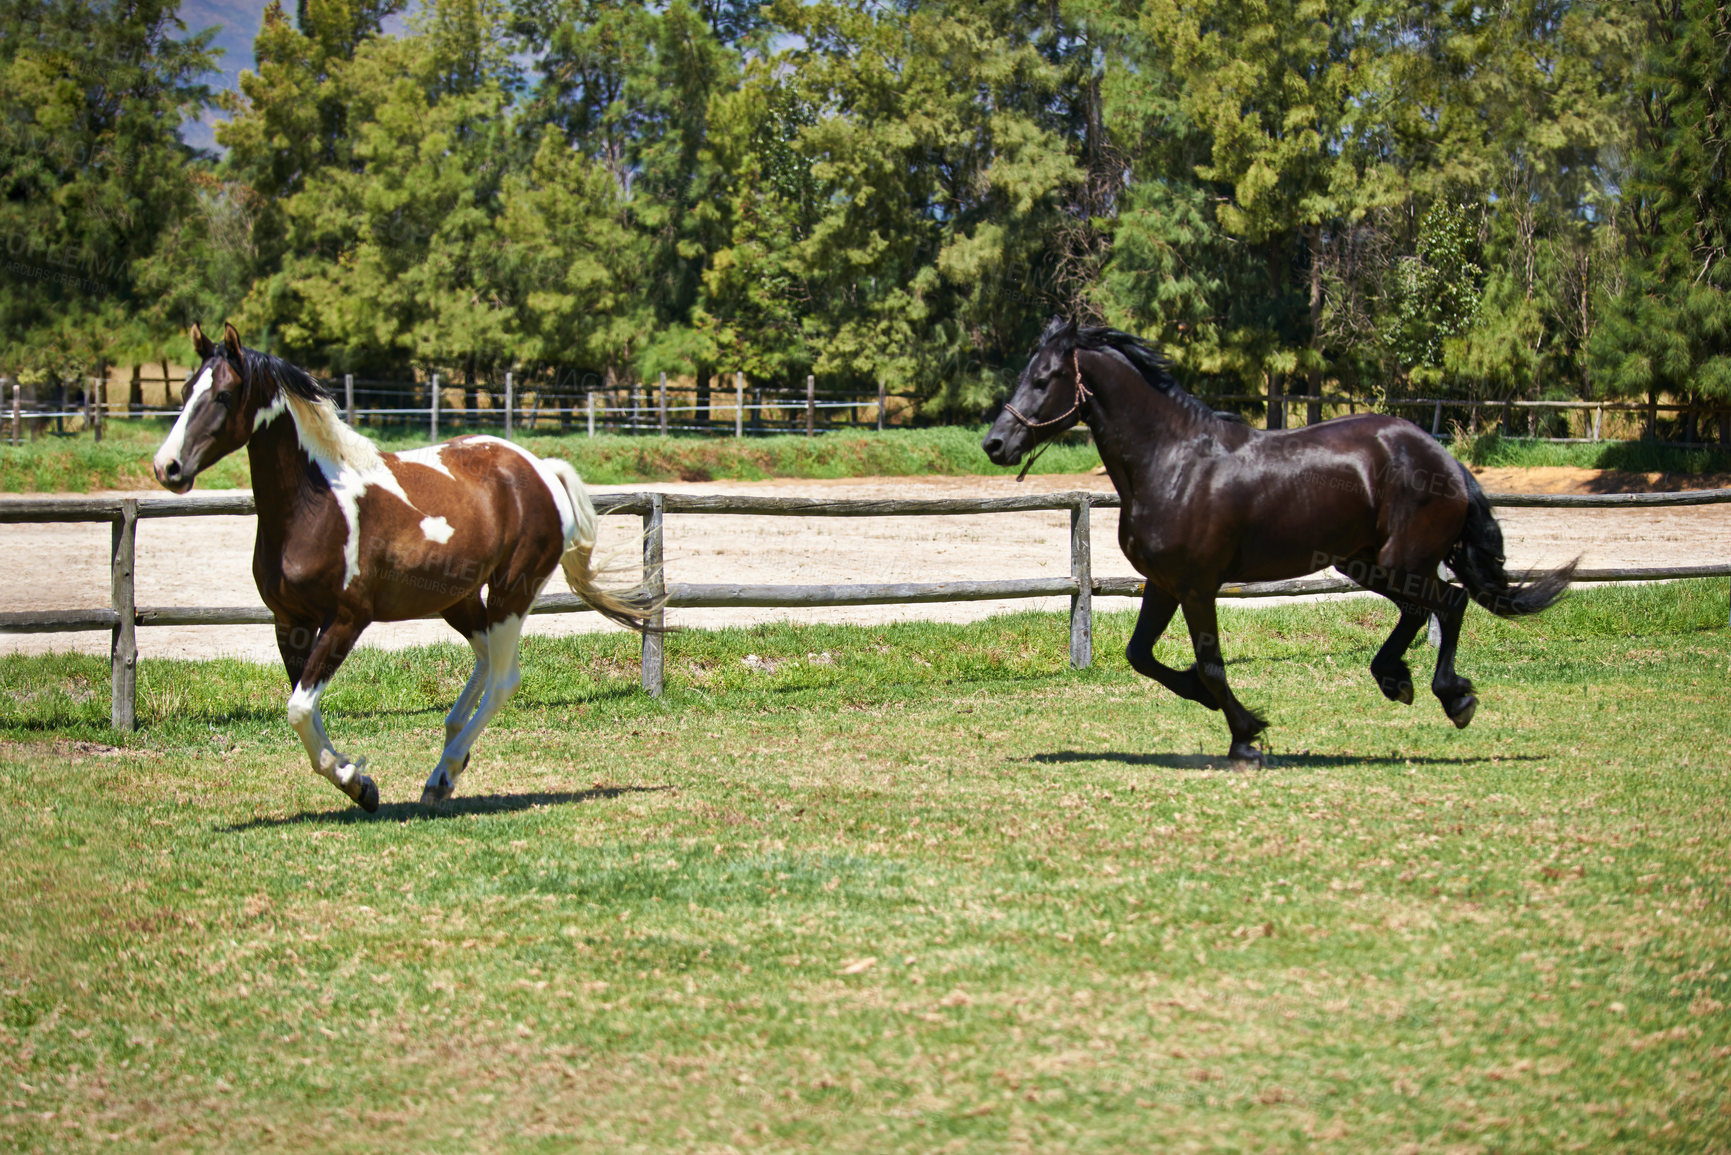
(93, 174)
(1669, 329)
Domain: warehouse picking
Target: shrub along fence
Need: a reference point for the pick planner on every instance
(123, 616)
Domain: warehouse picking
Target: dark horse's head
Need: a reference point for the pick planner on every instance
(1049, 396)
(232, 393)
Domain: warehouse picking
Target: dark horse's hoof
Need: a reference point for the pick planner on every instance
(1460, 712)
(1396, 688)
(1244, 756)
(368, 798)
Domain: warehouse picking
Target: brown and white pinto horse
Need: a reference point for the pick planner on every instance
(348, 536)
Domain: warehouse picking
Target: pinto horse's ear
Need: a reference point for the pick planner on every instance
(201, 345)
(231, 339)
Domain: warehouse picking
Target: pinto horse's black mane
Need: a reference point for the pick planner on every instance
(1152, 364)
(287, 377)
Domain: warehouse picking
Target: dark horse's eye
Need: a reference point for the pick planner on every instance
(226, 400)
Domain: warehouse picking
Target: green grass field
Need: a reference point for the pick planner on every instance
(122, 460)
(914, 888)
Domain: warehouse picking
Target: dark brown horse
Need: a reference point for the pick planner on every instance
(1207, 499)
(348, 536)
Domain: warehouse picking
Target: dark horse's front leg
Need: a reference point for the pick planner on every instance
(1157, 610)
(1210, 669)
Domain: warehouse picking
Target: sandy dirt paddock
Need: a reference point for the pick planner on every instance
(207, 560)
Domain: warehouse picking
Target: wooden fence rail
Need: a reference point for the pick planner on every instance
(123, 615)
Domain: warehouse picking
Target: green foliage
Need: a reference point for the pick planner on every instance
(1667, 329)
(1388, 196)
(93, 177)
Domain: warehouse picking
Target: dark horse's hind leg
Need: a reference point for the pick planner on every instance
(1393, 675)
(1452, 690)
(1157, 610)
(1210, 669)
(1418, 596)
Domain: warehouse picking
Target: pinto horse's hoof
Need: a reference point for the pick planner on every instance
(433, 796)
(1244, 756)
(368, 797)
(1461, 712)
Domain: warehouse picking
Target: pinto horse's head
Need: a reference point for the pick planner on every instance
(1047, 399)
(215, 417)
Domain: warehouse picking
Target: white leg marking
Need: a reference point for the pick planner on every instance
(502, 679)
(303, 714)
(464, 707)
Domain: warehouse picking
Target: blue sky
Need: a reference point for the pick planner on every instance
(237, 23)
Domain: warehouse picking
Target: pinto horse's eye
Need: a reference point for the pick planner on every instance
(226, 400)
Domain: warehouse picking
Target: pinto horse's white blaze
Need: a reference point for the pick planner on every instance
(171, 448)
(497, 670)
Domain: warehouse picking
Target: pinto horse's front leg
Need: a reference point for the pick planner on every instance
(333, 645)
(1199, 615)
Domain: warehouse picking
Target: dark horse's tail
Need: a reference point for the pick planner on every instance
(1477, 559)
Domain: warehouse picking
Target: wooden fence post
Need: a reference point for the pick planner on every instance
(17, 413)
(123, 638)
(99, 410)
(349, 397)
(661, 403)
(739, 405)
(1436, 420)
(435, 408)
(654, 582)
(810, 405)
(510, 399)
(881, 399)
(1082, 601)
(1276, 402)
(591, 404)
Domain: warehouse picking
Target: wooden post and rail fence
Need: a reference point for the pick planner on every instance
(123, 615)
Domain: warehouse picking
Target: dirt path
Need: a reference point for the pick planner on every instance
(207, 560)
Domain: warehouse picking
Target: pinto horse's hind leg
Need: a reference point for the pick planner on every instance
(500, 682)
(1200, 616)
(327, 654)
(1157, 610)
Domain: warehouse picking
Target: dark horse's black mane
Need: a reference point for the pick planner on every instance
(285, 376)
(1143, 357)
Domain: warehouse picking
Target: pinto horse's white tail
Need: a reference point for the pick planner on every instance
(630, 611)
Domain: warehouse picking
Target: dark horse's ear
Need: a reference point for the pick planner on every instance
(201, 345)
(231, 339)
(1058, 326)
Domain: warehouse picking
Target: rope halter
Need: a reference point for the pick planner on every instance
(1082, 395)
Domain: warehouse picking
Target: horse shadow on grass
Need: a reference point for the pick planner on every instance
(1305, 761)
(462, 806)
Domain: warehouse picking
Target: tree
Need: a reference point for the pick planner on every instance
(93, 175)
(1669, 328)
